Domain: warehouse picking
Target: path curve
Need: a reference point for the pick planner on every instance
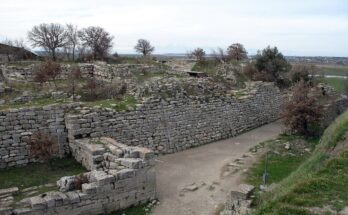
(205, 166)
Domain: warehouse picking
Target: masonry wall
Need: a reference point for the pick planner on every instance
(131, 181)
(168, 126)
(102, 72)
(17, 125)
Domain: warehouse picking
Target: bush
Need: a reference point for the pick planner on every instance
(48, 71)
(302, 72)
(273, 65)
(96, 90)
(42, 146)
(302, 113)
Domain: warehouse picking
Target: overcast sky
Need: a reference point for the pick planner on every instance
(296, 27)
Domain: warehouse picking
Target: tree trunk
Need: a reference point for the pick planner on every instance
(73, 53)
(54, 54)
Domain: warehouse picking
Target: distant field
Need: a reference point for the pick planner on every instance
(333, 70)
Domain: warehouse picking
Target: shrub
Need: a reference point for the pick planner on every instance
(48, 71)
(42, 146)
(97, 90)
(302, 113)
(273, 64)
(302, 72)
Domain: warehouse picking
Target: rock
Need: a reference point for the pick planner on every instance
(191, 187)
(287, 146)
(243, 191)
(66, 183)
(344, 211)
(12, 190)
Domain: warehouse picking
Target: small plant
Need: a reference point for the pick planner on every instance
(42, 146)
(48, 71)
(79, 180)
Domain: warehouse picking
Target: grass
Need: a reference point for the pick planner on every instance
(332, 70)
(319, 181)
(36, 174)
(35, 103)
(120, 105)
(337, 83)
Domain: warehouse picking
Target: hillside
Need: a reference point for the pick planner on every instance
(319, 185)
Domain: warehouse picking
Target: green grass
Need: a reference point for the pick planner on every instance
(337, 83)
(120, 105)
(39, 173)
(319, 181)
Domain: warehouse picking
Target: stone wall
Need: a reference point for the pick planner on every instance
(175, 124)
(17, 125)
(100, 71)
(131, 182)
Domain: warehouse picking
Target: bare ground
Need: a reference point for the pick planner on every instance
(207, 172)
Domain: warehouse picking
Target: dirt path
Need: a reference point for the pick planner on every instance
(210, 168)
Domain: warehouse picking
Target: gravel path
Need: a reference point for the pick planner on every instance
(197, 181)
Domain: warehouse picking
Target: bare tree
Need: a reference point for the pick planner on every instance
(97, 39)
(48, 36)
(144, 47)
(220, 55)
(237, 52)
(72, 39)
(198, 54)
(8, 48)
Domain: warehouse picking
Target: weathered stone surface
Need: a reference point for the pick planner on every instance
(103, 193)
(12, 190)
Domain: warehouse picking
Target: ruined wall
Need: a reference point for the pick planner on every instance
(175, 124)
(17, 125)
(131, 182)
(101, 71)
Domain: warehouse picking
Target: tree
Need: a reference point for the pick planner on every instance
(220, 55)
(302, 72)
(198, 54)
(302, 112)
(97, 39)
(237, 52)
(272, 63)
(144, 47)
(48, 36)
(72, 39)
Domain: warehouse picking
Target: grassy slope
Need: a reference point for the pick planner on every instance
(320, 181)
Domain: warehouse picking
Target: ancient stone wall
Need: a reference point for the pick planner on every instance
(131, 181)
(175, 124)
(17, 125)
(103, 72)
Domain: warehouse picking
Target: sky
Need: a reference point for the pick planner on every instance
(296, 27)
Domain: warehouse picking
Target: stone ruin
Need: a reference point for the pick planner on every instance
(239, 200)
(120, 176)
